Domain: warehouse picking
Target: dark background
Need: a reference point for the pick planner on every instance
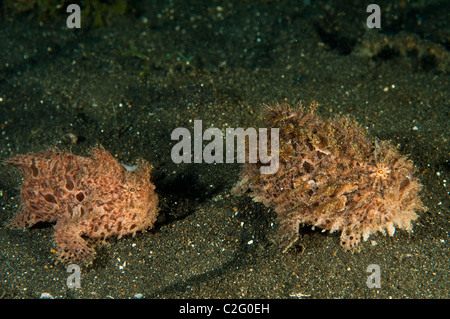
(136, 70)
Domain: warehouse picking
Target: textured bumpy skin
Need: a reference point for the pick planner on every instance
(93, 197)
(333, 177)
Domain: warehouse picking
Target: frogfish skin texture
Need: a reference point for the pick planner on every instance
(88, 198)
(332, 176)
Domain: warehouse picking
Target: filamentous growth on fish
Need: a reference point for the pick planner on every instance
(333, 176)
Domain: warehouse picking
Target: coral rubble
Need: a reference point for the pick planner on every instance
(332, 176)
(88, 197)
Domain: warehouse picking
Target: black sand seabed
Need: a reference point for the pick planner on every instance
(127, 84)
